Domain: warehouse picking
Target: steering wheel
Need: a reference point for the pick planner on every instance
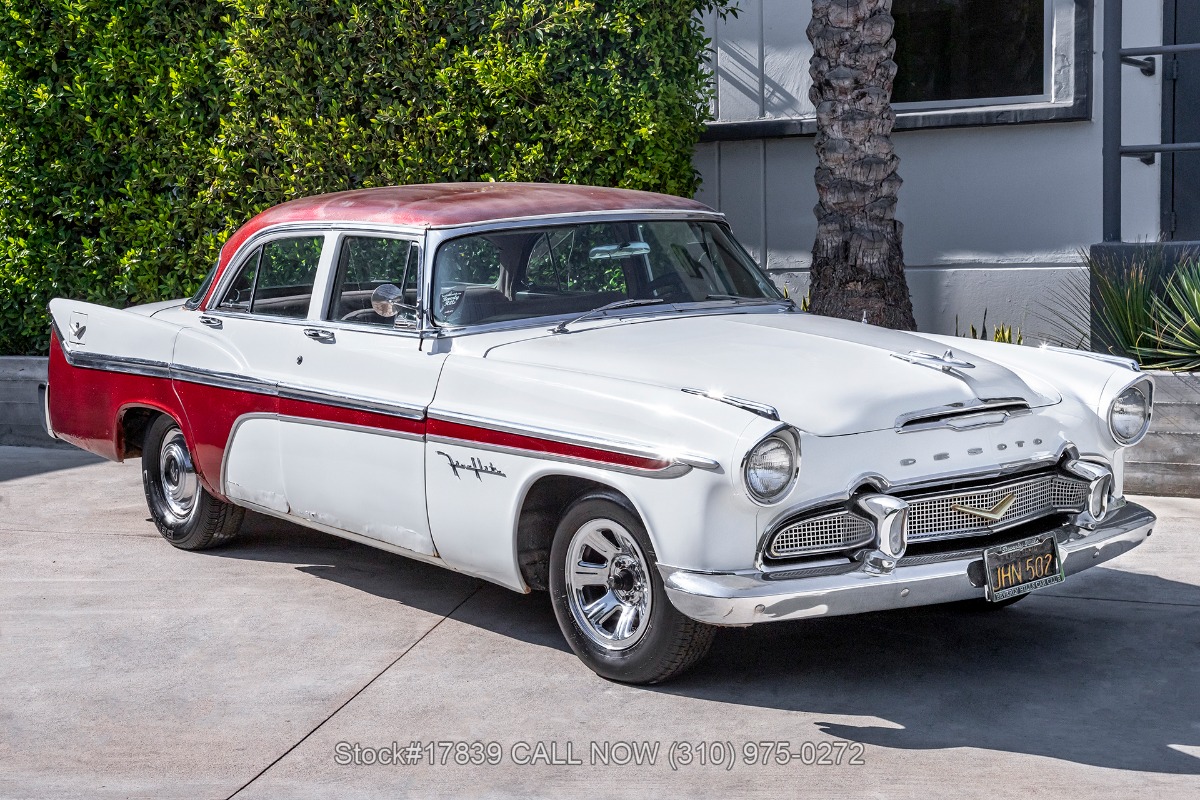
(668, 286)
(359, 315)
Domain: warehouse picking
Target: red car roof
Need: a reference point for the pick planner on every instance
(443, 204)
(440, 204)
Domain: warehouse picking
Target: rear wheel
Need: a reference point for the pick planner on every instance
(185, 514)
(609, 598)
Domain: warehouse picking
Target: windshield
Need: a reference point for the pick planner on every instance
(570, 269)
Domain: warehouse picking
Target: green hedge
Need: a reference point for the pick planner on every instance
(135, 137)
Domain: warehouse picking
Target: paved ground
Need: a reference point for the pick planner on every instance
(130, 669)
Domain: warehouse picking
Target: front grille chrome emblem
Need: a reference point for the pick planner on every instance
(994, 513)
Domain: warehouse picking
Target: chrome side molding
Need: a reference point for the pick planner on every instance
(762, 409)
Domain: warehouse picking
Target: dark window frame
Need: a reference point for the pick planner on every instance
(412, 262)
(1079, 109)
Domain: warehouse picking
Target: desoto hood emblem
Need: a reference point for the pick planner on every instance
(994, 513)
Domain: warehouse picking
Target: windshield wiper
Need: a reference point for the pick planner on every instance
(562, 326)
(737, 298)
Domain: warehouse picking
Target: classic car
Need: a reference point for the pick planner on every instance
(598, 393)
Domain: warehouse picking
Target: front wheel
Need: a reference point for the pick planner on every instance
(185, 514)
(609, 598)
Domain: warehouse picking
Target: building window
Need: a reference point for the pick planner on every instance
(971, 52)
(960, 63)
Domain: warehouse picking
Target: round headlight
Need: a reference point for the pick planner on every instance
(770, 467)
(1129, 416)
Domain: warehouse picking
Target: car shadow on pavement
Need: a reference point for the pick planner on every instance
(1093, 681)
(22, 462)
(527, 618)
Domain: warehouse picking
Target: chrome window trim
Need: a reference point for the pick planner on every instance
(535, 220)
(290, 229)
(440, 235)
(286, 230)
(244, 315)
(416, 238)
(628, 316)
(381, 330)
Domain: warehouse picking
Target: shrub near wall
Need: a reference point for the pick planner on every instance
(211, 112)
(106, 114)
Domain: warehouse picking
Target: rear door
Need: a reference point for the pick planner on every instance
(228, 366)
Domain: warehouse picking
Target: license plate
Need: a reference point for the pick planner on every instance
(1023, 566)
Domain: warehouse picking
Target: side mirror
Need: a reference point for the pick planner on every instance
(388, 301)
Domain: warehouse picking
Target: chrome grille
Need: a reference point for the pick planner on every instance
(932, 517)
(1068, 494)
(826, 533)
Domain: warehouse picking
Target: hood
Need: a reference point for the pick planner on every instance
(826, 376)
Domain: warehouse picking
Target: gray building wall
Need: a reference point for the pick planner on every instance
(995, 215)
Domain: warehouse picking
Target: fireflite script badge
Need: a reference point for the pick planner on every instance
(478, 467)
(994, 513)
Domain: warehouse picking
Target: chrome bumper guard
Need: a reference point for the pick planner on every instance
(746, 598)
(44, 403)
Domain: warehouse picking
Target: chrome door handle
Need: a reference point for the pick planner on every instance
(318, 334)
(211, 322)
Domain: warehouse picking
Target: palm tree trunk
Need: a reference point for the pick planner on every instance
(858, 260)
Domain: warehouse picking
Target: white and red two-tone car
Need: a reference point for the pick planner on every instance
(597, 392)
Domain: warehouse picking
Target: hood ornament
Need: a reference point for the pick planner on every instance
(947, 362)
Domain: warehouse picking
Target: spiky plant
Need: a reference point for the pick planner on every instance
(1111, 299)
(1175, 343)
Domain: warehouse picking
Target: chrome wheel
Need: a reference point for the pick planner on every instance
(180, 485)
(608, 584)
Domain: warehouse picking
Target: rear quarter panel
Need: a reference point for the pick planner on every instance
(87, 401)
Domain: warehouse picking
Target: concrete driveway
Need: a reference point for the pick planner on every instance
(131, 669)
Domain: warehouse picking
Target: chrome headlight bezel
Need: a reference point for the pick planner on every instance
(791, 441)
(1145, 388)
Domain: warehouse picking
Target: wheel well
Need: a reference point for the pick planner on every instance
(135, 422)
(540, 513)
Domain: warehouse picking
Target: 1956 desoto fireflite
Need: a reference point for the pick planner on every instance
(599, 393)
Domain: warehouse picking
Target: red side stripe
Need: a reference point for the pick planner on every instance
(350, 416)
(471, 433)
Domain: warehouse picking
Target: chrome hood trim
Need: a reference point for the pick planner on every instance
(826, 376)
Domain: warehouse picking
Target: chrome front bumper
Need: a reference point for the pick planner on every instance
(745, 598)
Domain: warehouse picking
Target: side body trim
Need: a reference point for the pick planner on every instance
(316, 406)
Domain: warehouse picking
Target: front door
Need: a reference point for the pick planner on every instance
(1181, 171)
(352, 419)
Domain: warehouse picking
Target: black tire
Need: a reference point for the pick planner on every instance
(665, 643)
(185, 514)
